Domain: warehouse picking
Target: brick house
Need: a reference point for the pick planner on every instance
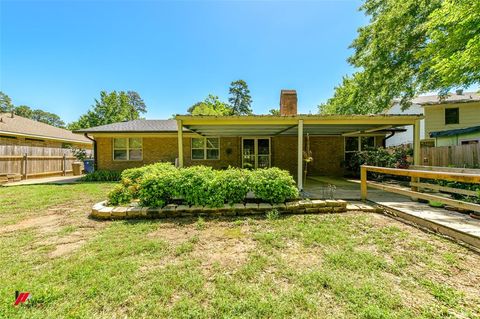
(254, 141)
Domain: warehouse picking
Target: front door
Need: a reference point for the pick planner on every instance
(255, 152)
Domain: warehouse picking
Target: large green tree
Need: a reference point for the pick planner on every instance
(240, 98)
(39, 115)
(410, 47)
(210, 106)
(5, 103)
(110, 108)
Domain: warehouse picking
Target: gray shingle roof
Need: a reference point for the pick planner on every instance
(21, 125)
(451, 98)
(153, 126)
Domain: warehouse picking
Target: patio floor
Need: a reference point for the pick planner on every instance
(459, 226)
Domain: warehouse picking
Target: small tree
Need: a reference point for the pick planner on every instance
(240, 98)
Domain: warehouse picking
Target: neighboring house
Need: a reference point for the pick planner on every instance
(254, 141)
(404, 138)
(452, 120)
(17, 130)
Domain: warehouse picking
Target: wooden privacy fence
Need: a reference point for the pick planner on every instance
(33, 161)
(458, 156)
(454, 175)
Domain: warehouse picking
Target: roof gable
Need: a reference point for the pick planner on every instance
(18, 125)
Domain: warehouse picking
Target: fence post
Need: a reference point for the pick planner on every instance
(25, 164)
(64, 165)
(363, 183)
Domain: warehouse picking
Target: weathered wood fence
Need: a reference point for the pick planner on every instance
(35, 161)
(458, 156)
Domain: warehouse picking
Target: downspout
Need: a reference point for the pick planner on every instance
(392, 133)
(94, 150)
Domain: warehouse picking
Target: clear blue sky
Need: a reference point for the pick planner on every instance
(59, 55)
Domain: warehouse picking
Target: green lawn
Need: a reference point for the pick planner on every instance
(307, 266)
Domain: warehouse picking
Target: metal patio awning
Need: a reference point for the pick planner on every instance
(264, 125)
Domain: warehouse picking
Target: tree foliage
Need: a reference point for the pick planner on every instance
(39, 115)
(5, 103)
(410, 47)
(240, 98)
(112, 107)
(210, 106)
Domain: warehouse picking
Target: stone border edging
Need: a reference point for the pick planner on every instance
(316, 206)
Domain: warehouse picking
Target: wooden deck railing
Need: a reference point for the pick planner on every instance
(466, 176)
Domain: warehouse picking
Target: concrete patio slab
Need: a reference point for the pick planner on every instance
(46, 180)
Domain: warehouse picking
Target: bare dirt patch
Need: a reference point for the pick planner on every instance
(218, 244)
(46, 223)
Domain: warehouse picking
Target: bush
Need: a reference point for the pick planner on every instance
(394, 157)
(235, 184)
(133, 177)
(201, 185)
(158, 188)
(273, 185)
(101, 176)
(119, 195)
(159, 184)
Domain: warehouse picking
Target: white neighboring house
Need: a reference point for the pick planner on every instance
(406, 137)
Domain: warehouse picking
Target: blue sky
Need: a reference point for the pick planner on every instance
(59, 55)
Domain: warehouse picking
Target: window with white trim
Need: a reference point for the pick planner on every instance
(204, 148)
(127, 149)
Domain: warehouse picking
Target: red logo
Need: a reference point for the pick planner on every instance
(21, 297)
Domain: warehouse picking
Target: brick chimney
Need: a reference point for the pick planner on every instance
(288, 102)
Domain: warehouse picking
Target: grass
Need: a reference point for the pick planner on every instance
(352, 265)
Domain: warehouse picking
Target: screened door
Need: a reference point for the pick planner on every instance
(255, 153)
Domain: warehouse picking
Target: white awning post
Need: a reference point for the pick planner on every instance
(300, 156)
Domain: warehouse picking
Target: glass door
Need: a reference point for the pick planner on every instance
(255, 153)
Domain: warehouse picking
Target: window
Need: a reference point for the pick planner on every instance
(356, 143)
(206, 148)
(127, 149)
(452, 115)
(468, 142)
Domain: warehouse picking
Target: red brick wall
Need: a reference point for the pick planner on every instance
(327, 153)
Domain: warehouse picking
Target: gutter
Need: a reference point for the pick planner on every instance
(392, 133)
(94, 150)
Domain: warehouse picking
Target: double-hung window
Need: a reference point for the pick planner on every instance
(127, 149)
(452, 115)
(205, 148)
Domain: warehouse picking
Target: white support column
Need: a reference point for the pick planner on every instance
(300, 155)
(180, 143)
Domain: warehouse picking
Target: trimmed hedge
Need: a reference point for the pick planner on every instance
(102, 176)
(273, 185)
(159, 184)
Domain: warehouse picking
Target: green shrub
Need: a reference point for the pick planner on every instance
(234, 184)
(158, 188)
(273, 185)
(133, 177)
(394, 157)
(201, 185)
(101, 176)
(119, 195)
(157, 185)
